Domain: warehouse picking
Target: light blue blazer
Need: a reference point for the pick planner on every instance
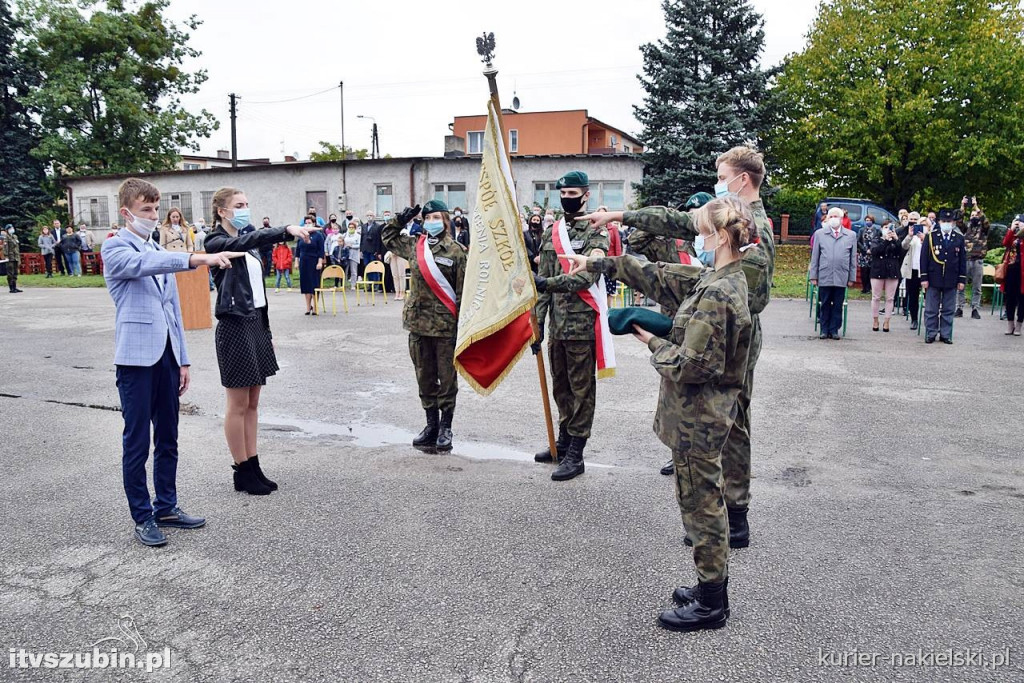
(146, 300)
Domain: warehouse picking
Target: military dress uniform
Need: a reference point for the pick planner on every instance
(571, 341)
(944, 269)
(759, 267)
(432, 327)
(12, 252)
(703, 368)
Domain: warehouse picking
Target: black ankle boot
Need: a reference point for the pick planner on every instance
(246, 478)
(255, 460)
(427, 439)
(739, 530)
(561, 444)
(684, 595)
(572, 464)
(444, 433)
(706, 611)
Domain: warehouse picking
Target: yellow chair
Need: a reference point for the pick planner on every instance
(619, 295)
(335, 272)
(365, 285)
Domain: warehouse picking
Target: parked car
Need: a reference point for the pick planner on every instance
(859, 209)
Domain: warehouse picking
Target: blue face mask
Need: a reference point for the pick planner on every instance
(705, 257)
(434, 228)
(240, 219)
(722, 188)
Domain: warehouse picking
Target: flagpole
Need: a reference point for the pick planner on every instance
(485, 48)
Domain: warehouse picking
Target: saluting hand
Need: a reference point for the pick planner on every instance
(302, 232)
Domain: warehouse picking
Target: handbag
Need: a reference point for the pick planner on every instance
(1001, 273)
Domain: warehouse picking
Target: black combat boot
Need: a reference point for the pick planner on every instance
(444, 435)
(572, 464)
(684, 595)
(706, 611)
(739, 531)
(427, 439)
(669, 469)
(561, 444)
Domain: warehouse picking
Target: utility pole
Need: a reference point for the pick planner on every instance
(375, 143)
(234, 138)
(344, 154)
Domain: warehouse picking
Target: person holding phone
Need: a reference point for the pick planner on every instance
(911, 268)
(886, 259)
(1013, 284)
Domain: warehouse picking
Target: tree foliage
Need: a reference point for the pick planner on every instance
(705, 93)
(22, 193)
(331, 152)
(112, 78)
(902, 100)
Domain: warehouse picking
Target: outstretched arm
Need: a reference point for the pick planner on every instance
(667, 283)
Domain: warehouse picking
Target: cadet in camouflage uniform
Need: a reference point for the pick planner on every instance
(571, 340)
(740, 172)
(703, 366)
(12, 252)
(432, 327)
(975, 229)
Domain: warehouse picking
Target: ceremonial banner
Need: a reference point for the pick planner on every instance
(498, 292)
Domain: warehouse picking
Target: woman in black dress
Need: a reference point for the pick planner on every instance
(311, 261)
(245, 352)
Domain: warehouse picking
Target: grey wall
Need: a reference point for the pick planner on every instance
(279, 191)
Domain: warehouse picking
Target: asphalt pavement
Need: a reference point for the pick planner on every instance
(886, 518)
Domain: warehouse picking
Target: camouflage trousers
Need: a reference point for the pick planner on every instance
(434, 361)
(574, 384)
(736, 453)
(702, 504)
(12, 273)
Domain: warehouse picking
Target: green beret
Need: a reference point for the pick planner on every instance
(698, 200)
(573, 179)
(433, 206)
(621, 321)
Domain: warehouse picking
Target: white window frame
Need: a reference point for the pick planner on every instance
(97, 208)
(177, 200)
(615, 140)
(597, 194)
(377, 194)
(444, 189)
(474, 135)
(513, 141)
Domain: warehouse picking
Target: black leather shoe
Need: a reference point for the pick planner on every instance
(426, 440)
(149, 534)
(739, 530)
(669, 469)
(255, 460)
(561, 445)
(975, 315)
(684, 595)
(444, 433)
(180, 520)
(959, 313)
(946, 341)
(930, 340)
(571, 465)
(913, 326)
(707, 611)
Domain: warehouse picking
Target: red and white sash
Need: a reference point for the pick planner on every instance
(433, 276)
(595, 296)
(684, 256)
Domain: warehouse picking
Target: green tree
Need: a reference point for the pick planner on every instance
(112, 79)
(331, 152)
(705, 93)
(914, 103)
(22, 193)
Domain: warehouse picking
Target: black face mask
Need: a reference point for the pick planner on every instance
(348, 218)
(572, 205)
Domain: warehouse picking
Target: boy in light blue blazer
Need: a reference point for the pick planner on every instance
(150, 355)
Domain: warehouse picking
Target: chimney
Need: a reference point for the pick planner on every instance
(223, 154)
(288, 158)
(454, 146)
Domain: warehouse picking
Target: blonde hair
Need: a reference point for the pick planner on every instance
(134, 189)
(730, 214)
(220, 201)
(174, 209)
(745, 160)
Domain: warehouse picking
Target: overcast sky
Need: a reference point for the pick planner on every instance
(413, 66)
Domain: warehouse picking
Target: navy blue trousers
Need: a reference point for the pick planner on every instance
(149, 395)
(831, 301)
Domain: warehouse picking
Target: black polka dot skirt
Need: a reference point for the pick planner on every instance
(245, 353)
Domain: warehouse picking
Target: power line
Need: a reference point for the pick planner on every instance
(295, 99)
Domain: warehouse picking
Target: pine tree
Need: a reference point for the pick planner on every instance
(22, 194)
(706, 92)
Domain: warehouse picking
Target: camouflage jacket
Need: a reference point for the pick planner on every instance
(976, 238)
(703, 363)
(758, 264)
(571, 317)
(661, 250)
(424, 313)
(12, 250)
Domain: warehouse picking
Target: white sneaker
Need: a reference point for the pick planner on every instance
(277, 291)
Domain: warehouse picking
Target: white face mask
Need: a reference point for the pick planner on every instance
(946, 228)
(834, 222)
(143, 227)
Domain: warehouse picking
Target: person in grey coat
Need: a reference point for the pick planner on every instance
(833, 267)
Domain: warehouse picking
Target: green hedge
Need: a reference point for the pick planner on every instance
(800, 204)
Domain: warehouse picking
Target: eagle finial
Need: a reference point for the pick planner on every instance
(485, 48)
